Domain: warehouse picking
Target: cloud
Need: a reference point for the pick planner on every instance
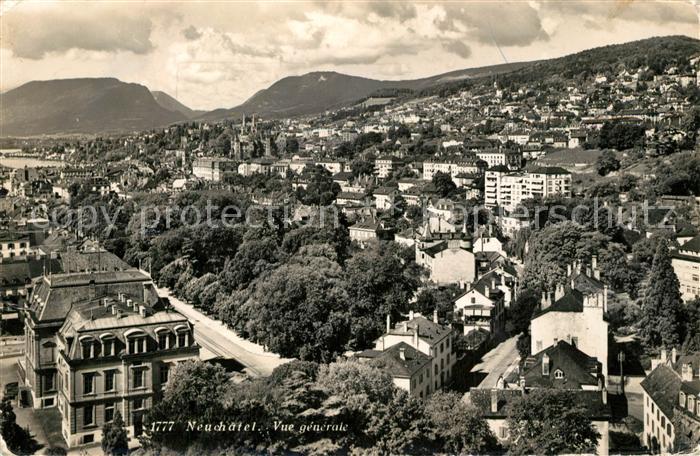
(32, 33)
(191, 33)
(501, 24)
(458, 48)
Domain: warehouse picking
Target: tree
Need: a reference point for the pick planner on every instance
(444, 185)
(458, 427)
(662, 306)
(440, 298)
(298, 309)
(521, 311)
(114, 438)
(606, 163)
(546, 421)
(379, 282)
(194, 392)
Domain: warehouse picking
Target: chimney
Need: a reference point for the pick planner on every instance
(402, 353)
(142, 311)
(435, 316)
(605, 396)
(410, 315)
(494, 400)
(568, 270)
(594, 262)
(687, 372)
(588, 271)
(388, 322)
(674, 355)
(129, 303)
(663, 356)
(493, 283)
(114, 310)
(605, 298)
(559, 293)
(545, 300)
(487, 291)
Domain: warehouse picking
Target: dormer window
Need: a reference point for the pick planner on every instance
(88, 348)
(558, 374)
(136, 341)
(108, 344)
(164, 337)
(183, 336)
(691, 404)
(681, 399)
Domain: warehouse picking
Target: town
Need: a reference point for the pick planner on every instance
(503, 264)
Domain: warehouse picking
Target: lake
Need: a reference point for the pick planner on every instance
(21, 162)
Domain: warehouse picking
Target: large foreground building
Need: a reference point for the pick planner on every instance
(98, 343)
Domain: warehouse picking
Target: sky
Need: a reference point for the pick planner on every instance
(217, 54)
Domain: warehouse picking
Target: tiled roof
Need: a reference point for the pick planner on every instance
(413, 360)
(572, 301)
(663, 386)
(578, 368)
(427, 329)
(692, 245)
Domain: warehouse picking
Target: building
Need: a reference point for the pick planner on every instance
(14, 244)
(575, 313)
(493, 403)
(512, 159)
(385, 166)
(428, 337)
(409, 368)
(384, 197)
(212, 168)
(453, 167)
(447, 255)
(508, 189)
(672, 398)
(98, 342)
(482, 306)
(686, 265)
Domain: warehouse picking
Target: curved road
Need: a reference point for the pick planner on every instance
(214, 336)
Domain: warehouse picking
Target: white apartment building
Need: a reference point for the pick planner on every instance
(212, 168)
(508, 189)
(686, 265)
(453, 167)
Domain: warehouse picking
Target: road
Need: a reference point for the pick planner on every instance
(216, 338)
(497, 362)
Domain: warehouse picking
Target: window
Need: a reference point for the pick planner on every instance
(165, 373)
(163, 341)
(137, 345)
(48, 382)
(88, 349)
(558, 374)
(182, 338)
(108, 347)
(109, 380)
(88, 383)
(691, 404)
(681, 399)
(138, 378)
(137, 404)
(88, 415)
(109, 412)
